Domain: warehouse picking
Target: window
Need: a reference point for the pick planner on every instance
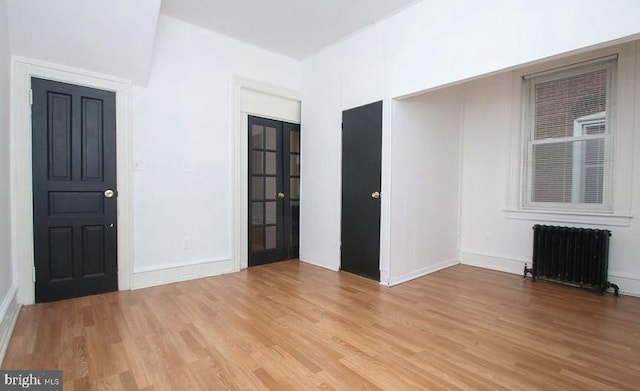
(568, 120)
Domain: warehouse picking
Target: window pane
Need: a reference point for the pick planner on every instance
(270, 138)
(593, 185)
(593, 152)
(295, 188)
(552, 170)
(270, 188)
(568, 172)
(270, 212)
(596, 128)
(295, 164)
(270, 237)
(558, 103)
(257, 188)
(257, 213)
(567, 155)
(257, 137)
(257, 239)
(592, 174)
(256, 162)
(270, 163)
(294, 141)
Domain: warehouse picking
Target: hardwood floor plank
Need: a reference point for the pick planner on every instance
(295, 326)
(128, 381)
(268, 381)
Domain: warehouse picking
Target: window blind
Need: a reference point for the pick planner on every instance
(569, 137)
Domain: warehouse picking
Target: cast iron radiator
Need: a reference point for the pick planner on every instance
(573, 256)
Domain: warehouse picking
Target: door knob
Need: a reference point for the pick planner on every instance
(375, 195)
(280, 195)
(109, 193)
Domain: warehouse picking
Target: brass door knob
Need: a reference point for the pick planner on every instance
(280, 195)
(375, 195)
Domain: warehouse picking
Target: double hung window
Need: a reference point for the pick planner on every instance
(568, 155)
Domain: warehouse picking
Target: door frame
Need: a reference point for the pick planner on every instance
(388, 113)
(261, 100)
(378, 275)
(23, 69)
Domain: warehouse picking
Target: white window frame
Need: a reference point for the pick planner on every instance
(608, 64)
(626, 93)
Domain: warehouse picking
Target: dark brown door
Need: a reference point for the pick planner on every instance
(274, 190)
(74, 190)
(361, 166)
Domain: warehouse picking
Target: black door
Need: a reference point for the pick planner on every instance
(361, 165)
(274, 190)
(74, 190)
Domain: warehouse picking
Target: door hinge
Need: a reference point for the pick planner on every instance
(33, 274)
(30, 96)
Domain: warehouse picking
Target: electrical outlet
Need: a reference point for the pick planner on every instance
(187, 165)
(186, 243)
(137, 164)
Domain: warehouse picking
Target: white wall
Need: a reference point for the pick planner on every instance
(425, 154)
(488, 237)
(112, 37)
(183, 143)
(341, 78)
(486, 149)
(6, 263)
(437, 42)
(8, 280)
(182, 120)
(320, 167)
(426, 46)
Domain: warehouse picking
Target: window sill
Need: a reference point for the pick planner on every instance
(569, 217)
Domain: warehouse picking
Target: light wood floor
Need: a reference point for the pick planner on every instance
(295, 326)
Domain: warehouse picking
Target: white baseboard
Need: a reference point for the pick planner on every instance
(485, 261)
(9, 310)
(167, 275)
(628, 285)
(395, 280)
(335, 269)
(384, 278)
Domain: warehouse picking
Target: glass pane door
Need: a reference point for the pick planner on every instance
(274, 190)
(294, 189)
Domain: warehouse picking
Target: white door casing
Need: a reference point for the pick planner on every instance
(263, 100)
(23, 70)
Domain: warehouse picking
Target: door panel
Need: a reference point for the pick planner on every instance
(92, 136)
(265, 209)
(291, 142)
(273, 213)
(74, 147)
(361, 170)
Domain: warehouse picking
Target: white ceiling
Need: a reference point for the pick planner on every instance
(114, 37)
(295, 28)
